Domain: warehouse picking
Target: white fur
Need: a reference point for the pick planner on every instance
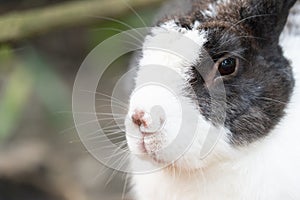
(265, 170)
(172, 46)
(211, 11)
(223, 1)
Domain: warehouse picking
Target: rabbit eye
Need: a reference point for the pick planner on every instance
(227, 66)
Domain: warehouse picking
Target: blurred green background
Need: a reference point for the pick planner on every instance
(42, 45)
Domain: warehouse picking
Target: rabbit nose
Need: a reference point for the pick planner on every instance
(149, 123)
(138, 117)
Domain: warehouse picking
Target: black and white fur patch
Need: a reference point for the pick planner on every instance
(249, 31)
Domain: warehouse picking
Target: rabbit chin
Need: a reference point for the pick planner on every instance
(189, 161)
(160, 150)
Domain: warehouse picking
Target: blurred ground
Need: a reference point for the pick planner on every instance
(41, 156)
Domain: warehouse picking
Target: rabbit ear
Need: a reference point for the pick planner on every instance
(266, 18)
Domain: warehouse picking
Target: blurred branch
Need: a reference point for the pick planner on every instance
(16, 26)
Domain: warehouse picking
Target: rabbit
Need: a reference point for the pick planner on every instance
(227, 70)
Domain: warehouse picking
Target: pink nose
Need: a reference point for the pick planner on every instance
(138, 117)
(149, 122)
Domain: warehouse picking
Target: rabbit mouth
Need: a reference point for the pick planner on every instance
(151, 145)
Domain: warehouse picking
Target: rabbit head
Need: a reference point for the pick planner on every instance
(207, 59)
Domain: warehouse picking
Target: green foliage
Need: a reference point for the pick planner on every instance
(15, 94)
(29, 73)
(49, 86)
